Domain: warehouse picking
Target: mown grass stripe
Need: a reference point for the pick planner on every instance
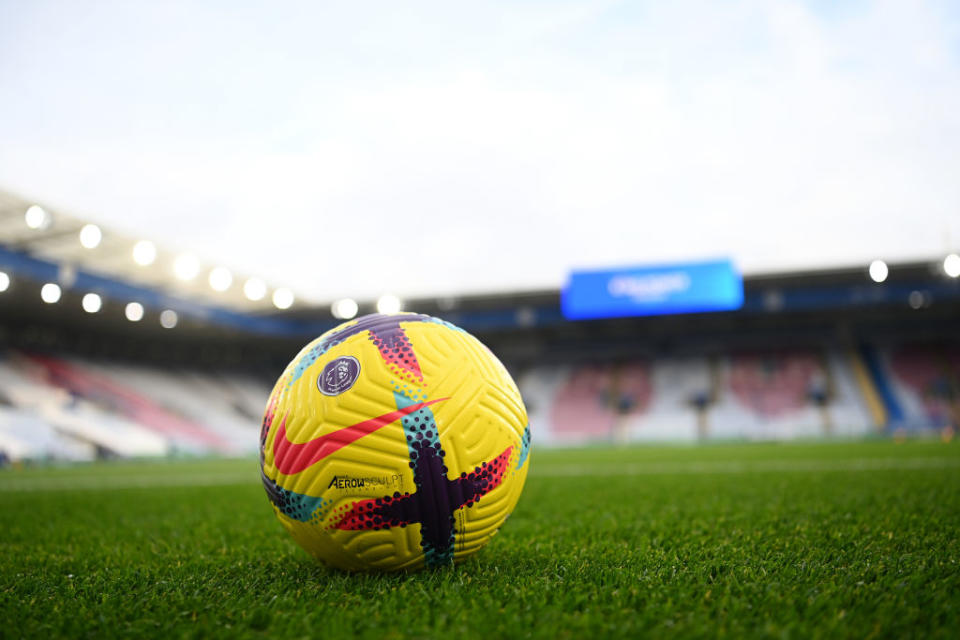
(87, 483)
(139, 481)
(754, 466)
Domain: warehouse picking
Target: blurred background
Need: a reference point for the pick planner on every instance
(683, 221)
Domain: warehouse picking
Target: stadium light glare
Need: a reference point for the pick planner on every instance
(283, 298)
(4, 281)
(917, 300)
(36, 217)
(144, 253)
(389, 304)
(879, 270)
(255, 289)
(91, 303)
(134, 312)
(90, 236)
(951, 265)
(168, 318)
(220, 279)
(50, 293)
(344, 309)
(186, 267)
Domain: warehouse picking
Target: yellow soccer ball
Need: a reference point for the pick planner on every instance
(394, 441)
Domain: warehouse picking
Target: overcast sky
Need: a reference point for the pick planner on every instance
(420, 148)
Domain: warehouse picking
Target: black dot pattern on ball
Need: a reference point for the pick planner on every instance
(436, 498)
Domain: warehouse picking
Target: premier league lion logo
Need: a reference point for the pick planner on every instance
(338, 376)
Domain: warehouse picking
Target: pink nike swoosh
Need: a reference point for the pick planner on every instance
(290, 457)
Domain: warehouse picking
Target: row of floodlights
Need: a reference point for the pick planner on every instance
(878, 269)
(347, 308)
(186, 267)
(51, 293)
(92, 303)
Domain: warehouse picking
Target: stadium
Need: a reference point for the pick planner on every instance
(734, 421)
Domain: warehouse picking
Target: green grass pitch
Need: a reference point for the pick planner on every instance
(790, 541)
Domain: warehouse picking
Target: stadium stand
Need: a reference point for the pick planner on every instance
(757, 396)
(787, 394)
(923, 386)
(206, 402)
(681, 392)
(79, 408)
(621, 402)
(76, 409)
(25, 435)
(815, 354)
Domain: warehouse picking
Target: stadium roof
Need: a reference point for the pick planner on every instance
(54, 236)
(44, 245)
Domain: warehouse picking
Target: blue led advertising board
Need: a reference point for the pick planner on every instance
(713, 285)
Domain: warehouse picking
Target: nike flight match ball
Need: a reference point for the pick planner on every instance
(394, 441)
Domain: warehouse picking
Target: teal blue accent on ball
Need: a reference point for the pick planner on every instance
(419, 423)
(438, 557)
(448, 325)
(299, 506)
(525, 448)
(308, 359)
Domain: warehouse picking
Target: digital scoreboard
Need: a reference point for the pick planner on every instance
(713, 285)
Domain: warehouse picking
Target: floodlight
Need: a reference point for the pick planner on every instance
(144, 253)
(134, 312)
(917, 299)
(91, 303)
(186, 267)
(50, 293)
(951, 265)
(36, 217)
(389, 304)
(90, 236)
(254, 289)
(282, 298)
(879, 270)
(4, 281)
(220, 279)
(344, 309)
(168, 318)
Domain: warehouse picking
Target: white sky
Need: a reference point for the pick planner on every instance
(430, 148)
